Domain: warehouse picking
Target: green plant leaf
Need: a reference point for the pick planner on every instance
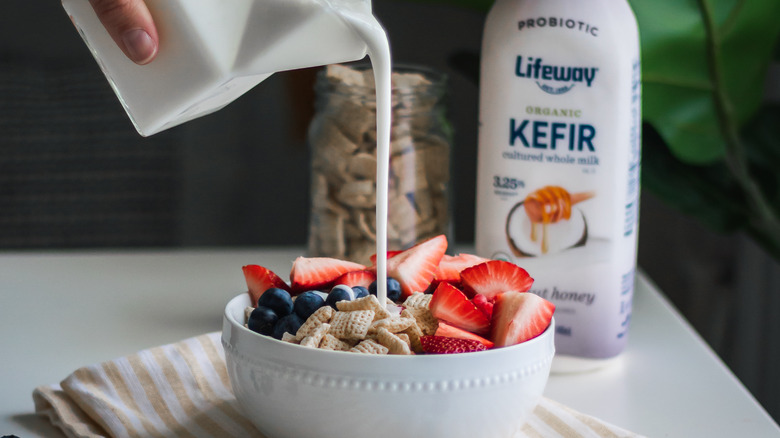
(709, 193)
(705, 192)
(681, 88)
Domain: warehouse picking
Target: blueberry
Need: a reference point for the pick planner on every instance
(290, 324)
(359, 291)
(393, 289)
(323, 295)
(346, 289)
(339, 293)
(278, 300)
(262, 320)
(306, 303)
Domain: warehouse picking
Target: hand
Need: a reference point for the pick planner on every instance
(131, 26)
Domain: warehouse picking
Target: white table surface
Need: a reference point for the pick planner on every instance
(62, 310)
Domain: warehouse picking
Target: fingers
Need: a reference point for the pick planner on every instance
(131, 26)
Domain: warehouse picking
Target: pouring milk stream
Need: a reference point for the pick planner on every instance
(211, 52)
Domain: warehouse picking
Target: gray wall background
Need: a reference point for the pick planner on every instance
(73, 173)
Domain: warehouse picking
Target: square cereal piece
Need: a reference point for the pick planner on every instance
(424, 319)
(414, 334)
(289, 337)
(418, 300)
(369, 302)
(308, 341)
(330, 342)
(370, 346)
(313, 340)
(351, 325)
(394, 344)
(404, 337)
(248, 311)
(394, 324)
(319, 317)
(381, 311)
(358, 304)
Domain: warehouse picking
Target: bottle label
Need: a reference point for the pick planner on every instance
(558, 166)
(554, 79)
(563, 23)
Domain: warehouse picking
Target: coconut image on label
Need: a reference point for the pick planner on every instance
(547, 222)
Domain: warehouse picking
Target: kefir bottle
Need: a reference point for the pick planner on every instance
(558, 163)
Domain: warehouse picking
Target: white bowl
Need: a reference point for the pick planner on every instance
(288, 390)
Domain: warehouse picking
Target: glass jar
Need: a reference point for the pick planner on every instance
(342, 138)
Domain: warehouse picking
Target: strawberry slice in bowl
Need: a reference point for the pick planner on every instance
(390, 254)
(450, 267)
(415, 267)
(450, 331)
(518, 317)
(494, 277)
(453, 306)
(362, 278)
(483, 304)
(432, 344)
(310, 273)
(260, 279)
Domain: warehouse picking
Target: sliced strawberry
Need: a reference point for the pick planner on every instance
(260, 279)
(483, 305)
(415, 267)
(389, 255)
(310, 273)
(451, 266)
(494, 277)
(450, 331)
(441, 345)
(518, 317)
(452, 305)
(357, 278)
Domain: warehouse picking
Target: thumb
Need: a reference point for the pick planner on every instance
(131, 26)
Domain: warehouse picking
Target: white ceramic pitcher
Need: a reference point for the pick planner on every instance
(213, 51)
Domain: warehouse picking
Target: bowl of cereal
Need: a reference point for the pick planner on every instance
(354, 368)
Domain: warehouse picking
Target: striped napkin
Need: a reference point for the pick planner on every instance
(182, 390)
